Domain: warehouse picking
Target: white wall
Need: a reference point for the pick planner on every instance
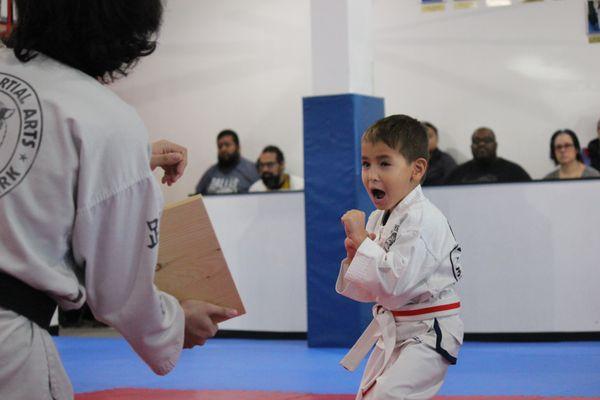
(525, 70)
(530, 255)
(262, 236)
(243, 65)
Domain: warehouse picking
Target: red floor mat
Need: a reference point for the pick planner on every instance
(160, 394)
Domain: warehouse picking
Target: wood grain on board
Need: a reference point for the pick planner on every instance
(191, 264)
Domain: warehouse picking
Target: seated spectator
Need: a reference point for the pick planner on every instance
(271, 167)
(566, 153)
(486, 166)
(232, 173)
(440, 163)
(594, 149)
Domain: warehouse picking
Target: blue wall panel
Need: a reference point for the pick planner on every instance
(333, 126)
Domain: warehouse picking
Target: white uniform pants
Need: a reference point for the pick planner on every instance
(30, 367)
(415, 370)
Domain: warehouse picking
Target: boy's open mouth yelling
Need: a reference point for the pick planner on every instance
(378, 193)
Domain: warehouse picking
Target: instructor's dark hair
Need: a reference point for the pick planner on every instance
(102, 38)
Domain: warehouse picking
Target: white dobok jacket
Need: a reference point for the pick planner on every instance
(79, 206)
(409, 270)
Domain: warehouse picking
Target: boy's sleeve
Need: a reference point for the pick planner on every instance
(400, 272)
(116, 240)
(348, 289)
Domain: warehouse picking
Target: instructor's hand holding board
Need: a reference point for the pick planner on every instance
(201, 317)
(201, 321)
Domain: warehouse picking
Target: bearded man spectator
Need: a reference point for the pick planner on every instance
(232, 173)
(271, 167)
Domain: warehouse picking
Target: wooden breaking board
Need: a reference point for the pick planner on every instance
(191, 264)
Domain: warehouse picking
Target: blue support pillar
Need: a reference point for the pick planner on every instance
(333, 126)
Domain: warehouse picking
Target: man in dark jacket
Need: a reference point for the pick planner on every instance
(440, 163)
(486, 166)
(594, 149)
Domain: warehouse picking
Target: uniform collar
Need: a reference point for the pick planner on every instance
(415, 196)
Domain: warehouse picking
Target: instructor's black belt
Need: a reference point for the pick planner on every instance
(21, 298)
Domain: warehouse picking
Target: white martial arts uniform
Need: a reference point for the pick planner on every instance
(79, 212)
(409, 271)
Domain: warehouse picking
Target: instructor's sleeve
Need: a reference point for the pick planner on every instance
(116, 240)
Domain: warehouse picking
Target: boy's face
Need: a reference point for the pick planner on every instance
(388, 177)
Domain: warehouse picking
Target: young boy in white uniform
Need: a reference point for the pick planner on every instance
(79, 205)
(406, 260)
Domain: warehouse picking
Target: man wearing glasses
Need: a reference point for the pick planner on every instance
(486, 166)
(271, 167)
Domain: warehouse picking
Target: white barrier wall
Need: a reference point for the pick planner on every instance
(262, 237)
(530, 255)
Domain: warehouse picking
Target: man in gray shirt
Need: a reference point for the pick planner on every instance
(232, 173)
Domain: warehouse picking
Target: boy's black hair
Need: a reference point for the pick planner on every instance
(402, 133)
(277, 151)
(102, 38)
(230, 133)
(575, 143)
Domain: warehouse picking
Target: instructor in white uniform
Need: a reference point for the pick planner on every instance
(79, 206)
